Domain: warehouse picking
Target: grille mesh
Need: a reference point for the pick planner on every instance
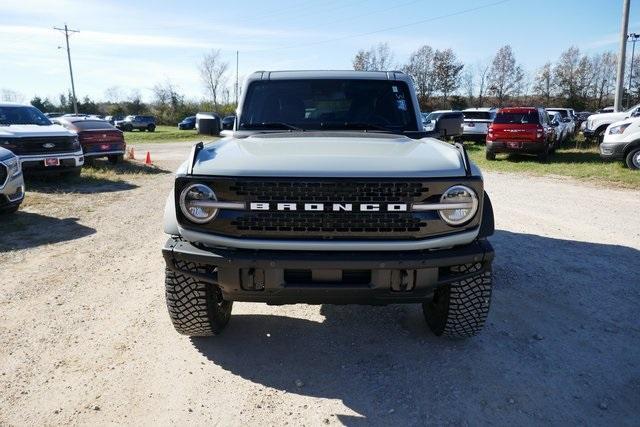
(335, 192)
(34, 145)
(3, 174)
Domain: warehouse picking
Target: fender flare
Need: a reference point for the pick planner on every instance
(487, 224)
(170, 222)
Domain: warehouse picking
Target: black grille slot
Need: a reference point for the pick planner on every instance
(330, 222)
(3, 174)
(36, 145)
(329, 191)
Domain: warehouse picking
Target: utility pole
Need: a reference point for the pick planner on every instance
(237, 87)
(634, 38)
(66, 31)
(621, 56)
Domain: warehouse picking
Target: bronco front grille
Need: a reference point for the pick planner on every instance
(326, 224)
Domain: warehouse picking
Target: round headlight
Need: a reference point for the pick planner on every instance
(464, 203)
(193, 203)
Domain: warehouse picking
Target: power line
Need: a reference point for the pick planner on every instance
(397, 27)
(66, 31)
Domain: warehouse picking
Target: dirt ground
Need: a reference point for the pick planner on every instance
(85, 337)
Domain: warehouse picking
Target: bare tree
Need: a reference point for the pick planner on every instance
(113, 94)
(420, 68)
(505, 76)
(566, 74)
(468, 84)
(482, 69)
(212, 72)
(544, 85)
(446, 72)
(377, 58)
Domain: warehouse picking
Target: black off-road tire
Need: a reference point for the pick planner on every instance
(633, 160)
(8, 210)
(490, 155)
(128, 128)
(151, 128)
(544, 156)
(459, 310)
(195, 308)
(114, 159)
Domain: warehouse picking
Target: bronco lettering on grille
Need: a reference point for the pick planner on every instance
(363, 207)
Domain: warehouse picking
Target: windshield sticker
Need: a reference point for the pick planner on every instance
(395, 89)
(402, 104)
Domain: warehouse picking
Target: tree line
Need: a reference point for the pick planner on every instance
(575, 80)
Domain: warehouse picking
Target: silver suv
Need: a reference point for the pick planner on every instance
(141, 123)
(328, 192)
(11, 182)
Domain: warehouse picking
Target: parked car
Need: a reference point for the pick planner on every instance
(328, 202)
(562, 127)
(98, 138)
(606, 110)
(11, 182)
(598, 123)
(622, 142)
(40, 144)
(142, 123)
(444, 124)
(53, 115)
(567, 117)
(227, 122)
(187, 123)
(476, 123)
(113, 119)
(524, 130)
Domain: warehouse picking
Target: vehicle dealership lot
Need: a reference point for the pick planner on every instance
(87, 338)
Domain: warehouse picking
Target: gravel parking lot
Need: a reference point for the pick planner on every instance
(86, 337)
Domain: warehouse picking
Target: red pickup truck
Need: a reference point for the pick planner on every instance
(526, 130)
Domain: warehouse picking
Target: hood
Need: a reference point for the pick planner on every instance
(18, 131)
(329, 154)
(608, 117)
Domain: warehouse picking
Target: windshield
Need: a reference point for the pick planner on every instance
(521, 118)
(563, 113)
(478, 115)
(20, 115)
(328, 104)
(432, 116)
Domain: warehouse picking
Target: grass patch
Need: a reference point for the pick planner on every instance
(579, 163)
(163, 134)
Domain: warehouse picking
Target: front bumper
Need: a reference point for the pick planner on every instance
(12, 191)
(67, 161)
(612, 150)
(289, 277)
(525, 147)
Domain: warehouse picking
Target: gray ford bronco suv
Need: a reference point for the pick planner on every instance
(328, 192)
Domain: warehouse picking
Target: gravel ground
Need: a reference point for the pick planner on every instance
(86, 338)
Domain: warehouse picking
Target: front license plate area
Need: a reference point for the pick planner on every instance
(52, 162)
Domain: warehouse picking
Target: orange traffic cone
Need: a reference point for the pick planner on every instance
(147, 161)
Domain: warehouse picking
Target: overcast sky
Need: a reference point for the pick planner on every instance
(133, 45)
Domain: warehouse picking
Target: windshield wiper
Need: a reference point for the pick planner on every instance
(272, 125)
(358, 126)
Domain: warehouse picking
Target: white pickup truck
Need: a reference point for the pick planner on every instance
(597, 123)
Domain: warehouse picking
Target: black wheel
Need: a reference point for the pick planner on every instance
(88, 160)
(74, 173)
(460, 309)
(600, 135)
(142, 129)
(544, 156)
(490, 155)
(151, 128)
(195, 308)
(115, 158)
(128, 128)
(633, 159)
(9, 210)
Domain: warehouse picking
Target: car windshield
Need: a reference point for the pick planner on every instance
(21, 115)
(328, 104)
(478, 115)
(433, 116)
(562, 113)
(520, 118)
(92, 124)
